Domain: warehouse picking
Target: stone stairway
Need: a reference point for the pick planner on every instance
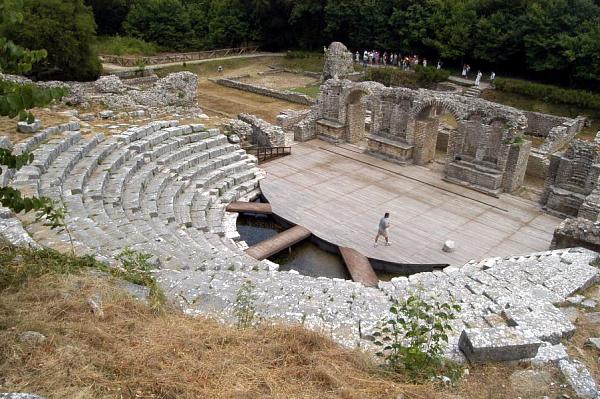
(473, 92)
(160, 189)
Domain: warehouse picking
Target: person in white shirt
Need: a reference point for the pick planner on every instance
(478, 78)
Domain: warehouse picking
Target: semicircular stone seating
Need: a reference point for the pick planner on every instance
(161, 189)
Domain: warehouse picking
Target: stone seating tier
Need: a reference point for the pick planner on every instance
(141, 189)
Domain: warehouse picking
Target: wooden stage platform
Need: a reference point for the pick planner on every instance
(339, 194)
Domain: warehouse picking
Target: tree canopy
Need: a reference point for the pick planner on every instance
(65, 29)
(553, 40)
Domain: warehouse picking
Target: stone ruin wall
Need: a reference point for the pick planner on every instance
(285, 95)
(259, 132)
(577, 232)
(539, 124)
(403, 129)
(571, 186)
(557, 131)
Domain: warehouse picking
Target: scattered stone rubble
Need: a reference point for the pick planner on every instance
(577, 232)
(265, 134)
(174, 90)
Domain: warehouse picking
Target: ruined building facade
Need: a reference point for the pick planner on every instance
(486, 150)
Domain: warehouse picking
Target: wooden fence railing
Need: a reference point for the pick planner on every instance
(135, 61)
(266, 153)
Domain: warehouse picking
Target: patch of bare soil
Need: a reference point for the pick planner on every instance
(224, 102)
(281, 81)
(8, 127)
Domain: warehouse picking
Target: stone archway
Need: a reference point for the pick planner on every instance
(356, 112)
(425, 132)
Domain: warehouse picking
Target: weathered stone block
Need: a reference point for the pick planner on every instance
(25, 127)
(579, 378)
(546, 322)
(449, 246)
(497, 344)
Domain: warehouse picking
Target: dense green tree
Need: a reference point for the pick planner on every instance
(65, 29)
(16, 100)
(452, 27)
(110, 14)
(165, 22)
(307, 22)
(229, 24)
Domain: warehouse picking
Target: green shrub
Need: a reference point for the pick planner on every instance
(429, 76)
(412, 340)
(124, 45)
(548, 93)
(391, 77)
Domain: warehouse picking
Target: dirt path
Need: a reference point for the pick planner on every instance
(112, 68)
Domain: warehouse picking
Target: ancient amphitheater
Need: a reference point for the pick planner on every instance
(162, 188)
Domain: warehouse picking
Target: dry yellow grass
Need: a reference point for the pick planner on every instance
(133, 352)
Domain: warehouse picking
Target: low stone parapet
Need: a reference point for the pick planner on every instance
(395, 151)
(285, 95)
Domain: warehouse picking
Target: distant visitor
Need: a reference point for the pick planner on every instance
(384, 227)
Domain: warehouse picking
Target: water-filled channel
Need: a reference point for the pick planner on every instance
(305, 257)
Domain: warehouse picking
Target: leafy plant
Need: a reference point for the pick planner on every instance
(414, 337)
(518, 141)
(16, 100)
(244, 308)
(140, 67)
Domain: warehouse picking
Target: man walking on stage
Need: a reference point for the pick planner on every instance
(384, 227)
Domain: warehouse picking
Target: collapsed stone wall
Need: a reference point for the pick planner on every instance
(265, 134)
(577, 232)
(539, 124)
(571, 187)
(176, 89)
(290, 120)
(558, 132)
(285, 95)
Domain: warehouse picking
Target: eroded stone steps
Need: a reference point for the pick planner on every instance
(98, 182)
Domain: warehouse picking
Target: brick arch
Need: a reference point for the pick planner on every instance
(355, 93)
(434, 102)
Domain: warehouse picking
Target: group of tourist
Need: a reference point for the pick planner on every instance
(375, 57)
(409, 62)
(465, 75)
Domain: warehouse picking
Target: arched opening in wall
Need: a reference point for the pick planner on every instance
(435, 125)
(356, 116)
(497, 127)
